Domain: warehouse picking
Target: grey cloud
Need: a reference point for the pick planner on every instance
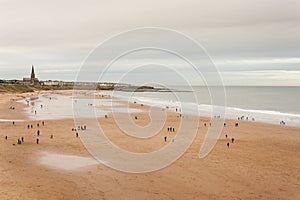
(60, 34)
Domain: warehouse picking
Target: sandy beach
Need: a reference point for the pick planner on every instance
(262, 163)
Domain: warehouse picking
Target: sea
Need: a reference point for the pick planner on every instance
(267, 104)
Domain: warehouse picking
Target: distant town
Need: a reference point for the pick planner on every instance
(33, 82)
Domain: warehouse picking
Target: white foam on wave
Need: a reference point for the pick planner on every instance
(205, 110)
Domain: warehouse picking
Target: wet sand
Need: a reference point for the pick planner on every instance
(263, 163)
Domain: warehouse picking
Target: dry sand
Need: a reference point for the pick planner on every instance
(263, 163)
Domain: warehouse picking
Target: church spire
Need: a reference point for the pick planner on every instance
(32, 73)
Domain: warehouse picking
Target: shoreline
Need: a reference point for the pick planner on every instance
(83, 94)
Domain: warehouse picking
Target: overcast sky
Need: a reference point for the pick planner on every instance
(252, 42)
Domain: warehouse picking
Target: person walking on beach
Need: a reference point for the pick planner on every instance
(232, 140)
(51, 137)
(165, 138)
(38, 133)
(6, 137)
(226, 135)
(28, 126)
(37, 140)
(228, 144)
(43, 123)
(22, 139)
(76, 134)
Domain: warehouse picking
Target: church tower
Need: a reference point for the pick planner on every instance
(32, 73)
(32, 80)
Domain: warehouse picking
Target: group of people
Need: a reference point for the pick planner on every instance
(206, 124)
(282, 122)
(76, 133)
(82, 128)
(178, 109)
(29, 126)
(20, 140)
(228, 143)
(38, 125)
(171, 129)
(245, 118)
(226, 136)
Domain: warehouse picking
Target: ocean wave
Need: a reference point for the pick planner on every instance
(206, 110)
